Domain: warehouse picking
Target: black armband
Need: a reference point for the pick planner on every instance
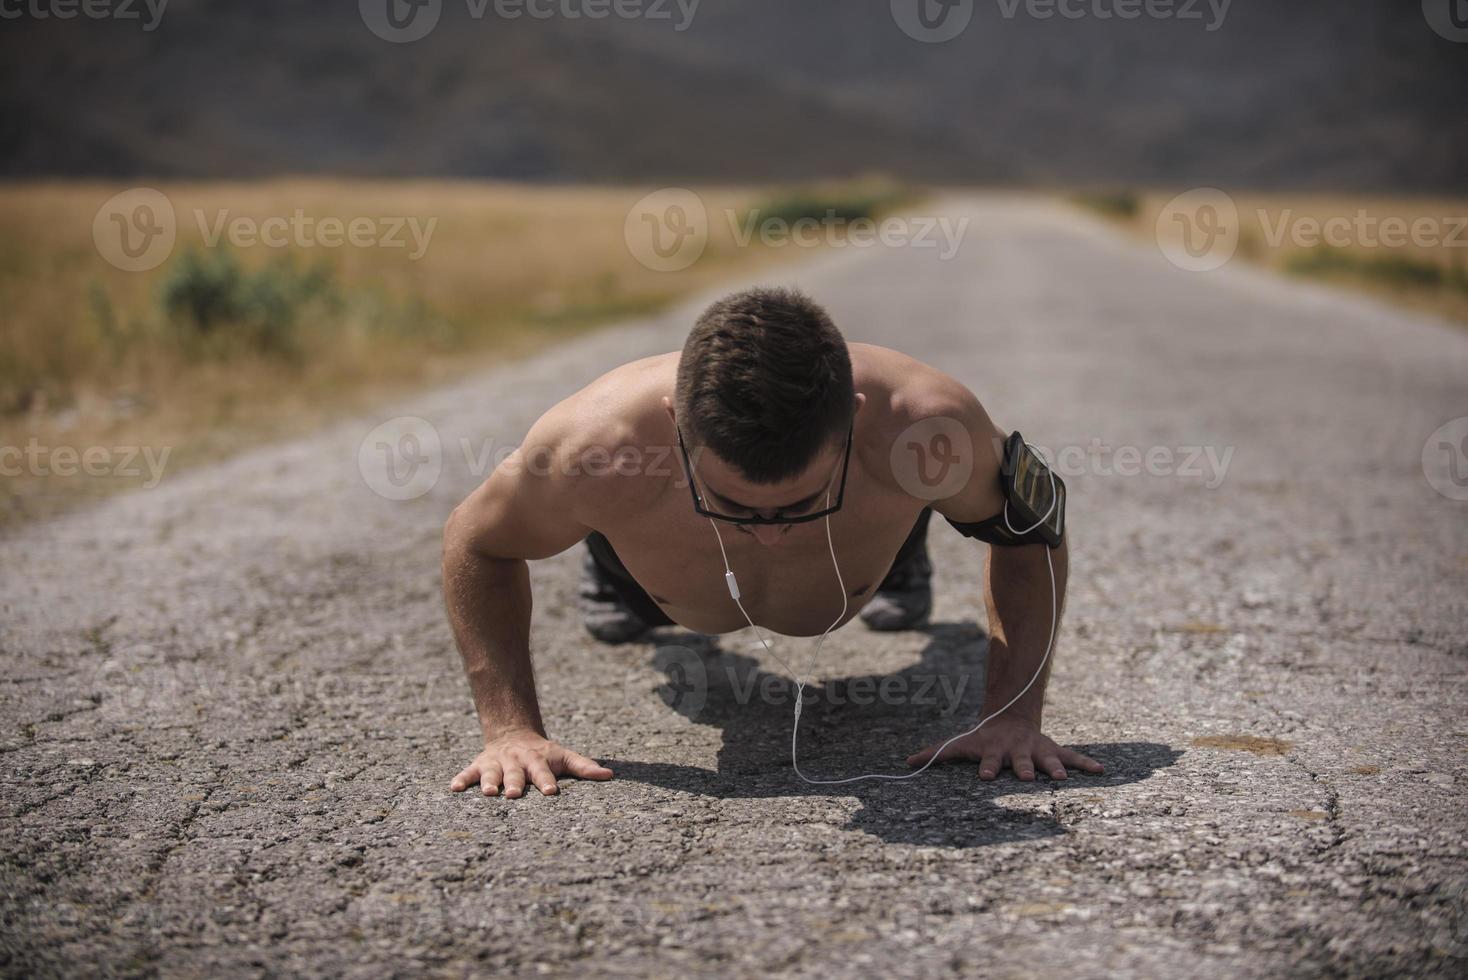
(1034, 502)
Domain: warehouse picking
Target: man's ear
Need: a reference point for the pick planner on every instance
(861, 400)
(668, 407)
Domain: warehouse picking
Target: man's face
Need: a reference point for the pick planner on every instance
(726, 491)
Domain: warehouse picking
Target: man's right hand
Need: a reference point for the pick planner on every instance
(509, 760)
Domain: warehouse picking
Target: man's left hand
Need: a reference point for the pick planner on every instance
(1013, 741)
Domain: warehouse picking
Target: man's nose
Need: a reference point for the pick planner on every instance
(768, 533)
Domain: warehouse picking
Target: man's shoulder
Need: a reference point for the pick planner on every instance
(600, 437)
(910, 402)
(902, 391)
(623, 403)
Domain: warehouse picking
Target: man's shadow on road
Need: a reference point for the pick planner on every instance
(865, 723)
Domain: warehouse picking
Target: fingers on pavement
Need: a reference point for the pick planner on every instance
(514, 781)
(468, 777)
(583, 768)
(541, 776)
(1075, 760)
(489, 780)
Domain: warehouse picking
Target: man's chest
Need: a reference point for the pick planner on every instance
(789, 587)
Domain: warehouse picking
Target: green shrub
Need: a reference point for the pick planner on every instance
(1458, 278)
(837, 206)
(1113, 204)
(1394, 270)
(217, 307)
(1399, 270)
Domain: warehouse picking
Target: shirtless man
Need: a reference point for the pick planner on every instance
(767, 397)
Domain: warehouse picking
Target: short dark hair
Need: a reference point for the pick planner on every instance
(765, 382)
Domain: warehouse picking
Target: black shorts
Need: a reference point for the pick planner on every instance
(637, 599)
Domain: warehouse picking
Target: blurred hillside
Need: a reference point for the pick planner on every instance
(1315, 94)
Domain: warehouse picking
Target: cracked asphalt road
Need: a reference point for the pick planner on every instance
(231, 705)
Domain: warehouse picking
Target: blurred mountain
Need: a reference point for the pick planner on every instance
(1328, 94)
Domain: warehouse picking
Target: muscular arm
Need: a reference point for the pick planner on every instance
(489, 603)
(1019, 599)
(1022, 612)
(525, 510)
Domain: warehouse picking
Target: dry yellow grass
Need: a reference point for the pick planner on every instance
(1342, 239)
(85, 361)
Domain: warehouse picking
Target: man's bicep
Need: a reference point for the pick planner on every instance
(981, 496)
(524, 510)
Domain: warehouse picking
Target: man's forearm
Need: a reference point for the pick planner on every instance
(1019, 600)
(489, 605)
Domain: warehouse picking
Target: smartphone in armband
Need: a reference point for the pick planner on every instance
(1034, 500)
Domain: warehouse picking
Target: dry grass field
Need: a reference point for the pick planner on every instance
(252, 329)
(1413, 251)
(261, 323)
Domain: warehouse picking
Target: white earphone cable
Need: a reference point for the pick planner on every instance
(733, 584)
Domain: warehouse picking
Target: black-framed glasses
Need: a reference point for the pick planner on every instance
(698, 504)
